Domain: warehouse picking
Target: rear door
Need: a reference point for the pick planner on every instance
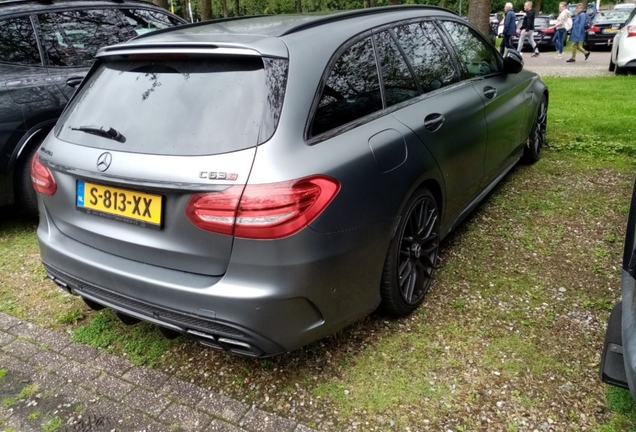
(504, 96)
(449, 117)
(180, 128)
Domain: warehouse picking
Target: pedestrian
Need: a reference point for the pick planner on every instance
(527, 30)
(578, 34)
(563, 23)
(510, 28)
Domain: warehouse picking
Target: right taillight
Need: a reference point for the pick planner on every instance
(41, 177)
(631, 30)
(263, 211)
(594, 29)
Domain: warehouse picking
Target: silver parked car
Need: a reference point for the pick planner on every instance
(260, 183)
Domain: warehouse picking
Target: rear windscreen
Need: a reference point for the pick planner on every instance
(186, 107)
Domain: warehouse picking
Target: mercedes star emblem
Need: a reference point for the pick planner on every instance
(103, 161)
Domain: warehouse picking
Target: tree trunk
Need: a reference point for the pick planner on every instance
(237, 8)
(224, 8)
(299, 5)
(206, 10)
(161, 3)
(479, 15)
(584, 3)
(536, 5)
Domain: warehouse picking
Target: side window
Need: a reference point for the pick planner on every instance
(17, 42)
(398, 81)
(142, 21)
(73, 38)
(352, 89)
(479, 58)
(425, 50)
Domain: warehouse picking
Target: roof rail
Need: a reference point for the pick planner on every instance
(198, 24)
(361, 12)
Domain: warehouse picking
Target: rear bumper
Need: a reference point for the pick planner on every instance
(274, 297)
(599, 40)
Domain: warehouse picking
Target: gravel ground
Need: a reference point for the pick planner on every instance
(546, 65)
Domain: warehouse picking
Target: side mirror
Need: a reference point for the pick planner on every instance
(513, 62)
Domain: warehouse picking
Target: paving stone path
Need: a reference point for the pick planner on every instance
(48, 382)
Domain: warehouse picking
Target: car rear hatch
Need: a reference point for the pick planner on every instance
(150, 130)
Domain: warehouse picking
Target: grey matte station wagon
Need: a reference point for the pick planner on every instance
(259, 183)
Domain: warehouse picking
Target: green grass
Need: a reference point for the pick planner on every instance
(142, 343)
(592, 115)
(3, 372)
(52, 425)
(34, 415)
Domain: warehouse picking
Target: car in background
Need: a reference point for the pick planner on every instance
(46, 49)
(604, 27)
(618, 358)
(591, 9)
(623, 57)
(542, 35)
(259, 183)
(625, 6)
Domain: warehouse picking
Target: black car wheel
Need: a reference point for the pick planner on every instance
(412, 256)
(26, 195)
(534, 146)
(612, 65)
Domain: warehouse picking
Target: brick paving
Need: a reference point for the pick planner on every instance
(85, 389)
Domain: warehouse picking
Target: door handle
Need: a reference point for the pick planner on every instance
(74, 81)
(490, 92)
(433, 122)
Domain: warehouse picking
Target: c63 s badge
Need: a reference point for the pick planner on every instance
(218, 175)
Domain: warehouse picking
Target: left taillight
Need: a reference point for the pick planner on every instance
(41, 177)
(264, 211)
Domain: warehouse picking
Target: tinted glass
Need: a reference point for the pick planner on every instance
(142, 21)
(399, 85)
(541, 22)
(18, 43)
(72, 38)
(171, 107)
(352, 89)
(478, 57)
(425, 50)
(612, 16)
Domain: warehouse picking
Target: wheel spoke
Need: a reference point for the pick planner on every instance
(408, 296)
(404, 270)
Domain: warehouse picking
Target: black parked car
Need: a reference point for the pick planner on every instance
(46, 48)
(604, 28)
(618, 361)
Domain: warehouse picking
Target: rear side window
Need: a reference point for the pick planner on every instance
(189, 107)
(478, 57)
(17, 42)
(427, 53)
(352, 90)
(73, 38)
(399, 84)
(141, 21)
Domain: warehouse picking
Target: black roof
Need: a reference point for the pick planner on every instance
(31, 6)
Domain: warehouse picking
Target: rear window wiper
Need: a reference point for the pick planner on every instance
(109, 133)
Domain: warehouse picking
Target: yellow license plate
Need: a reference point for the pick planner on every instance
(121, 204)
(610, 31)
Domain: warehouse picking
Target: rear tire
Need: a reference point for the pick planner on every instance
(26, 195)
(410, 262)
(536, 141)
(612, 65)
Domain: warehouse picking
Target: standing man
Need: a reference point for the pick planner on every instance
(527, 29)
(510, 28)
